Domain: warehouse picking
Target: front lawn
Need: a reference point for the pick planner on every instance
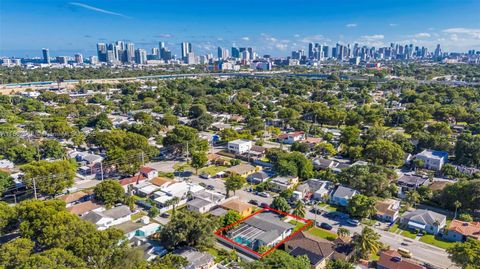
(408, 234)
(438, 242)
(138, 215)
(368, 222)
(322, 233)
(393, 228)
(212, 170)
(298, 224)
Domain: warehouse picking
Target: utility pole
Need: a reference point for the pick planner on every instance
(101, 170)
(34, 188)
(187, 151)
(143, 158)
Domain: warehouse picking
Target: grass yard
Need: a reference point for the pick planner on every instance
(138, 215)
(393, 228)
(438, 242)
(212, 170)
(298, 224)
(408, 234)
(322, 233)
(368, 222)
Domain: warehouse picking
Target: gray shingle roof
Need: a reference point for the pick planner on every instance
(425, 216)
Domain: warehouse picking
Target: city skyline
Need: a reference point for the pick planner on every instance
(68, 27)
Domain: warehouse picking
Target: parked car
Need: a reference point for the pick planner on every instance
(202, 184)
(264, 194)
(404, 252)
(205, 175)
(353, 222)
(253, 202)
(165, 215)
(264, 205)
(325, 226)
(316, 211)
(210, 187)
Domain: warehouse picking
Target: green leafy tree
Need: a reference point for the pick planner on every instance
(280, 259)
(385, 152)
(54, 258)
(173, 202)
(51, 178)
(339, 264)
(279, 203)
(199, 159)
(343, 232)
(153, 212)
(234, 183)
(466, 254)
(5, 181)
(109, 192)
(8, 218)
(325, 149)
(188, 229)
(361, 206)
(230, 218)
(369, 180)
(15, 253)
(52, 149)
(169, 261)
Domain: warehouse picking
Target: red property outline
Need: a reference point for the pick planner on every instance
(307, 222)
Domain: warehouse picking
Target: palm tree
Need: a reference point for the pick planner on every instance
(299, 209)
(173, 202)
(367, 242)
(413, 197)
(343, 232)
(457, 204)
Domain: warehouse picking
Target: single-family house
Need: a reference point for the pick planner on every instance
(196, 259)
(342, 195)
(409, 182)
(83, 208)
(75, 198)
(130, 182)
(243, 169)
(433, 159)
(282, 183)
(240, 146)
(387, 210)
(148, 172)
(391, 259)
(323, 190)
(263, 229)
(6, 164)
(318, 250)
(204, 200)
(244, 209)
(161, 181)
(424, 220)
(459, 231)
(258, 177)
(129, 228)
(109, 217)
(290, 138)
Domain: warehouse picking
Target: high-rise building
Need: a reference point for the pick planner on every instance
(79, 58)
(46, 55)
(235, 52)
(62, 59)
(156, 53)
(310, 51)
(130, 52)
(140, 56)
(222, 53)
(438, 51)
(191, 59)
(93, 60)
(186, 49)
(102, 52)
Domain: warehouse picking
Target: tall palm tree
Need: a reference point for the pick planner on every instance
(299, 209)
(367, 242)
(343, 232)
(457, 204)
(173, 202)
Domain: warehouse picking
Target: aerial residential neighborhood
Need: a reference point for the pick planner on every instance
(252, 135)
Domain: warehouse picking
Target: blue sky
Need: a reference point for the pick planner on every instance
(270, 26)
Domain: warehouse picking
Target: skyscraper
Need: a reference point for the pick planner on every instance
(102, 52)
(186, 49)
(46, 56)
(141, 56)
(310, 51)
(235, 52)
(79, 58)
(130, 52)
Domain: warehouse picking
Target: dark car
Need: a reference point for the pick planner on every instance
(264, 205)
(210, 187)
(253, 202)
(165, 215)
(316, 211)
(326, 226)
(143, 204)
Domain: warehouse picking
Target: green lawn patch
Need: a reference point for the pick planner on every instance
(138, 215)
(322, 233)
(408, 234)
(436, 241)
(298, 224)
(212, 170)
(393, 228)
(368, 222)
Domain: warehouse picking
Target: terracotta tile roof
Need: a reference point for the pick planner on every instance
(146, 170)
(317, 249)
(241, 169)
(132, 180)
(82, 208)
(236, 205)
(213, 156)
(160, 181)
(313, 140)
(470, 229)
(387, 260)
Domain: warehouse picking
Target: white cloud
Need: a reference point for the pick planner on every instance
(350, 25)
(314, 38)
(373, 37)
(296, 35)
(246, 38)
(393, 24)
(422, 35)
(96, 9)
(472, 32)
